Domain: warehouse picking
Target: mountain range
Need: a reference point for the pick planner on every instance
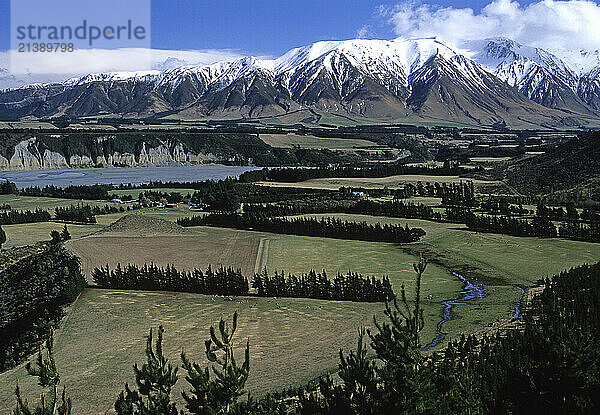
(487, 82)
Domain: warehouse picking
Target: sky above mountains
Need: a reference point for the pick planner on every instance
(211, 31)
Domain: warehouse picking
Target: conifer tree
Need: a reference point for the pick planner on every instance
(219, 395)
(65, 235)
(2, 237)
(55, 237)
(405, 383)
(48, 377)
(154, 380)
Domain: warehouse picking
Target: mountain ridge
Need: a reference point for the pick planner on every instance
(495, 81)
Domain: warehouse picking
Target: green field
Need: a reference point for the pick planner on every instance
(488, 256)
(30, 233)
(292, 341)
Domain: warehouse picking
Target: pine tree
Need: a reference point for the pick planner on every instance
(155, 380)
(360, 383)
(219, 395)
(65, 235)
(55, 237)
(406, 386)
(2, 237)
(49, 377)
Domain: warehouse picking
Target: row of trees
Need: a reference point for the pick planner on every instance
(75, 213)
(222, 281)
(324, 227)
(12, 217)
(393, 209)
(538, 226)
(85, 192)
(350, 286)
(227, 281)
(380, 170)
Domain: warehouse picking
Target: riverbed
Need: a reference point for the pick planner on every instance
(117, 176)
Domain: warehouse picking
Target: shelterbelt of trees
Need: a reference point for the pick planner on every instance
(324, 227)
(294, 174)
(231, 282)
(33, 293)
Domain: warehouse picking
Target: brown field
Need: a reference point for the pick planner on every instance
(308, 141)
(292, 341)
(199, 248)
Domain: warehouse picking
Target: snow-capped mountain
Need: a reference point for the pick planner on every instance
(487, 82)
(542, 76)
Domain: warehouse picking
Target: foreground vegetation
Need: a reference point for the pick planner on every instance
(540, 366)
(33, 294)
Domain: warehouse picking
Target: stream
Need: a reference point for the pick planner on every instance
(469, 292)
(518, 306)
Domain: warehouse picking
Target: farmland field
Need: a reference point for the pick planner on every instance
(197, 248)
(309, 141)
(398, 181)
(291, 340)
(513, 260)
(30, 233)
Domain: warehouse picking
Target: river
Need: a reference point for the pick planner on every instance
(116, 176)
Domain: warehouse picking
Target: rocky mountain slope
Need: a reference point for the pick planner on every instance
(483, 83)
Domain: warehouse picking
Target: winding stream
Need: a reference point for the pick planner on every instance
(518, 306)
(469, 292)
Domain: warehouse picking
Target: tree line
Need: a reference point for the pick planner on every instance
(84, 213)
(323, 227)
(293, 175)
(539, 226)
(393, 209)
(229, 281)
(13, 217)
(221, 281)
(350, 286)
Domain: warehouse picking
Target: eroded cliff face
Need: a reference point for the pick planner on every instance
(28, 155)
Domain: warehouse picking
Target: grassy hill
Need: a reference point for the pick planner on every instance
(573, 166)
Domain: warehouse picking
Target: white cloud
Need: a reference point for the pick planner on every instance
(364, 32)
(51, 67)
(555, 25)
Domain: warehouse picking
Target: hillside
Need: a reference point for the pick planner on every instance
(573, 167)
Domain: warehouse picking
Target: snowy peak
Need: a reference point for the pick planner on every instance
(480, 82)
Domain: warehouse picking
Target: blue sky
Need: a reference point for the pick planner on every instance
(259, 27)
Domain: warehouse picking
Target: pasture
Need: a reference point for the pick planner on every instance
(488, 256)
(292, 341)
(30, 233)
(311, 142)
